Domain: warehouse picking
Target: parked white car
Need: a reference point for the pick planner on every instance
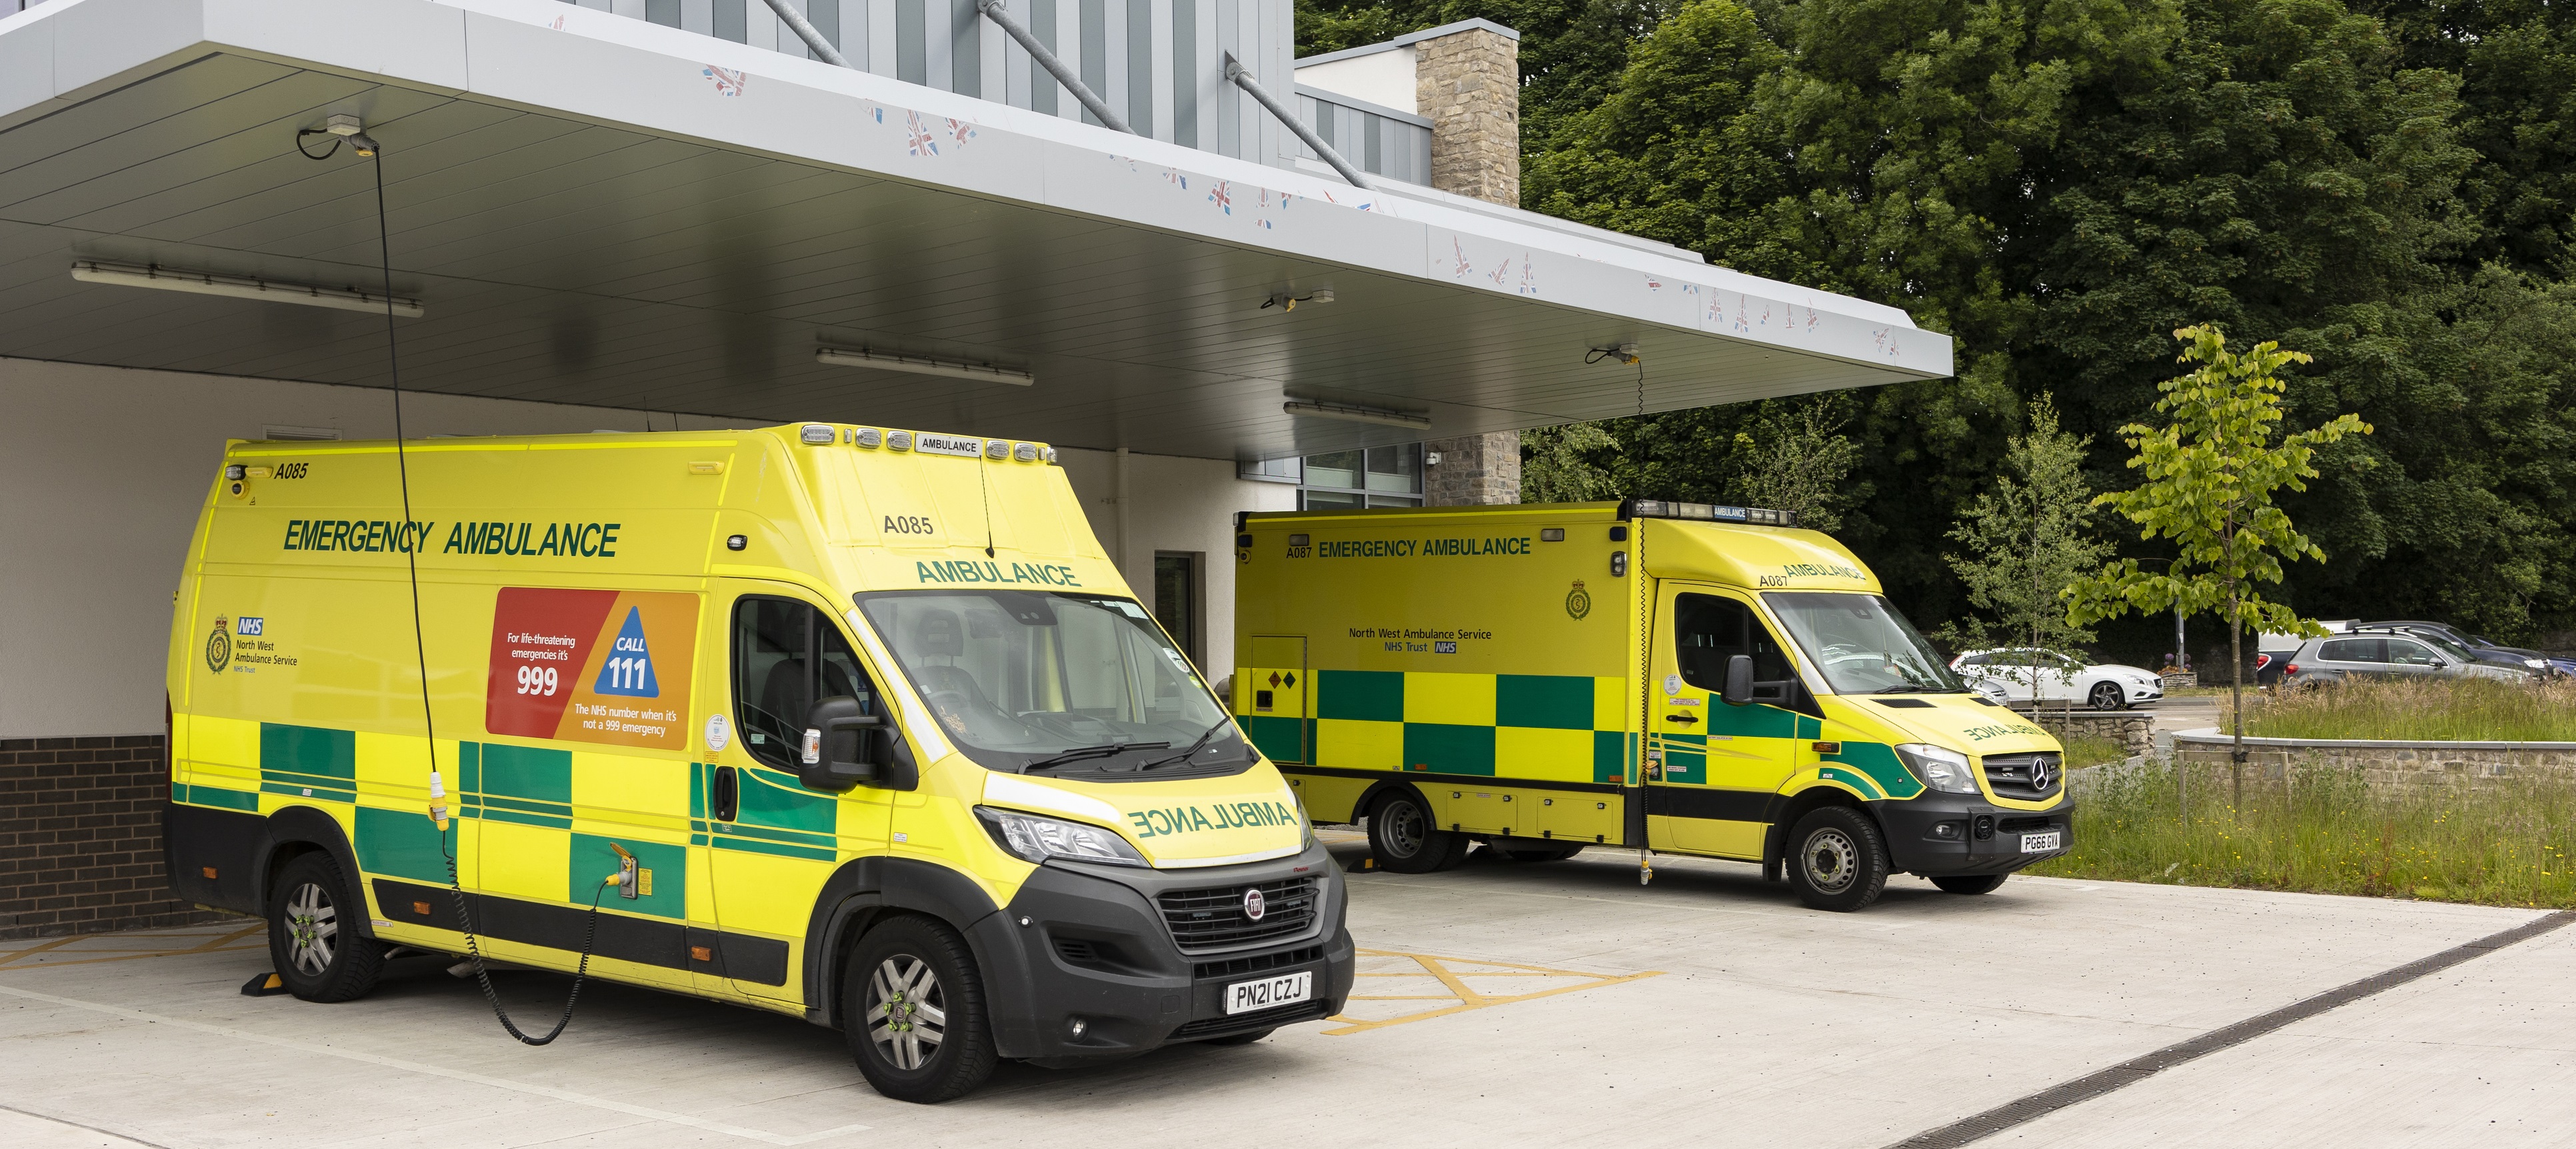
(2006, 676)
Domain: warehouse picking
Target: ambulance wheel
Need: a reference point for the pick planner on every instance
(316, 958)
(1238, 1038)
(1970, 883)
(1406, 841)
(1548, 853)
(1836, 860)
(914, 1012)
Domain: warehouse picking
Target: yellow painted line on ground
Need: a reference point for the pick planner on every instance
(14, 955)
(219, 944)
(1436, 967)
(644, 1111)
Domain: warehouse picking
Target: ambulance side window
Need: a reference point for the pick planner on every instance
(786, 655)
(1708, 630)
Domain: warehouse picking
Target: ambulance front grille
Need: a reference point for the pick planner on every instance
(2030, 777)
(1204, 920)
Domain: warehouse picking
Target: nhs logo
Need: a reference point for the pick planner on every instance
(250, 626)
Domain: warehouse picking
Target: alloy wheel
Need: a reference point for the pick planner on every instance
(313, 928)
(907, 1011)
(2106, 696)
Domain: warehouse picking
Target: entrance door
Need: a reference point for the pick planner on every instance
(771, 843)
(1720, 764)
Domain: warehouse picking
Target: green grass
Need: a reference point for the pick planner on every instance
(2083, 752)
(2469, 710)
(2504, 842)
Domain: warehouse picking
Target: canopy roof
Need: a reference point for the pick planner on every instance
(604, 211)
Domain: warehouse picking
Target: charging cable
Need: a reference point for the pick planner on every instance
(348, 128)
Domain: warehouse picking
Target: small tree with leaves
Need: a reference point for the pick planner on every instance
(1796, 458)
(2024, 542)
(2211, 473)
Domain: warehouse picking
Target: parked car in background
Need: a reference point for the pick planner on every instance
(2273, 651)
(2389, 653)
(2486, 651)
(2006, 676)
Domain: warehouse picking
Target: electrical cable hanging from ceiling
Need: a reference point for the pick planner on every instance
(348, 128)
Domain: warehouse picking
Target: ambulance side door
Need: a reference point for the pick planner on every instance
(769, 843)
(1713, 768)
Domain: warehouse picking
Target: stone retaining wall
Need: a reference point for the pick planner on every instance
(2387, 763)
(2133, 729)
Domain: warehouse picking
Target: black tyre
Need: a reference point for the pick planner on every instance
(1238, 1038)
(913, 1010)
(1837, 861)
(1970, 883)
(1551, 852)
(318, 953)
(2107, 696)
(1405, 840)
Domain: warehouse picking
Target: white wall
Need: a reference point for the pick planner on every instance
(1175, 504)
(1382, 78)
(102, 471)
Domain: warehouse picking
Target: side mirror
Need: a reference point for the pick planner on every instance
(1739, 680)
(844, 746)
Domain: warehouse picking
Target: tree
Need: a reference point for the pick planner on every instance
(2212, 472)
(1796, 458)
(2026, 541)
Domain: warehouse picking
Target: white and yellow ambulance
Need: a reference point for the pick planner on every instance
(1668, 677)
(851, 723)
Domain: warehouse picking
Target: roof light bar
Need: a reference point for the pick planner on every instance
(1349, 414)
(916, 365)
(241, 287)
(1708, 512)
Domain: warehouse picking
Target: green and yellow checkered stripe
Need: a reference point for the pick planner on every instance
(1537, 726)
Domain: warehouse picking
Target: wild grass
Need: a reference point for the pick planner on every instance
(2506, 842)
(2468, 710)
(2082, 752)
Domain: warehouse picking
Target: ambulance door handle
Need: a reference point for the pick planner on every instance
(1681, 718)
(727, 792)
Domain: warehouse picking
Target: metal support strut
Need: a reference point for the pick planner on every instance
(804, 29)
(1046, 58)
(1242, 77)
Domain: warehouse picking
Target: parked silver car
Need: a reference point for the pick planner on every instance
(2371, 652)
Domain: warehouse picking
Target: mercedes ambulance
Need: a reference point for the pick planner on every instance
(1667, 677)
(854, 724)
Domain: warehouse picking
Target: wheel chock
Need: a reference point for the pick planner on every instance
(264, 985)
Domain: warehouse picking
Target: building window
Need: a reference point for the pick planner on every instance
(1375, 477)
(1177, 594)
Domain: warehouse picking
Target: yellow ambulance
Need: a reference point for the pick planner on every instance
(850, 723)
(1667, 677)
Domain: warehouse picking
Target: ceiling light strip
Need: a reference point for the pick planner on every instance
(240, 287)
(912, 364)
(1349, 414)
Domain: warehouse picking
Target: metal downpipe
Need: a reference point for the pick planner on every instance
(1046, 58)
(1242, 77)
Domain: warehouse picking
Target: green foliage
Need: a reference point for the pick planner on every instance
(2023, 542)
(2501, 841)
(2212, 472)
(1795, 458)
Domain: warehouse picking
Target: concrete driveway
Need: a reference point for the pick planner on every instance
(1511, 1002)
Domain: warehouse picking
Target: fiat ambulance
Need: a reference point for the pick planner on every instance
(849, 723)
(1666, 677)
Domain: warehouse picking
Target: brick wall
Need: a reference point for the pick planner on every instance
(1468, 84)
(80, 837)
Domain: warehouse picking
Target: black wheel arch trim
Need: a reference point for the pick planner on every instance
(865, 888)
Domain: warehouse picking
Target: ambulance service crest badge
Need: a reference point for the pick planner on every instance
(219, 645)
(1578, 602)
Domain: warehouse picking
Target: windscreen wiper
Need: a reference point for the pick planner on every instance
(1195, 747)
(1079, 753)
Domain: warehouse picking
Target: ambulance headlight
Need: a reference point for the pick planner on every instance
(1939, 767)
(1034, 839)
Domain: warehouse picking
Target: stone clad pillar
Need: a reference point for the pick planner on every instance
(1468, 84)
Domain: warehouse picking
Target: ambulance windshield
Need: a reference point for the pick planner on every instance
(1059, 683)
(1861, 644)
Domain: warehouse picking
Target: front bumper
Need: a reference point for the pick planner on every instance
(1916, 846)
(1089, 943)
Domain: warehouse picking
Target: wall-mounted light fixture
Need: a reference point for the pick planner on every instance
(1349, 414)
(917, 365)
(240, 287)
(1288, 301)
